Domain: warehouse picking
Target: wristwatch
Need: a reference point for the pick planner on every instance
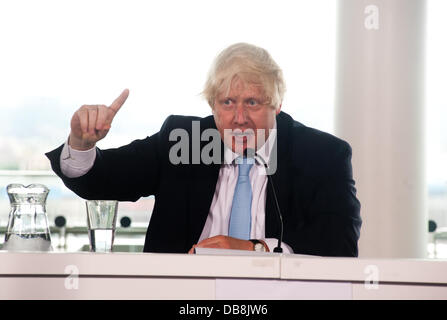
(258, 245)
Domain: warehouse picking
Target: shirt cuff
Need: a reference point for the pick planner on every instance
(75, 163)
(273, 243)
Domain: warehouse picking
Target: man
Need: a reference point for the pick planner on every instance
(227, 202)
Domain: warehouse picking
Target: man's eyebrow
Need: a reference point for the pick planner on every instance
(258, 98)
(252, 97)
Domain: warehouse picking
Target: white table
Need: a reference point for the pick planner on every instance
(180, 276)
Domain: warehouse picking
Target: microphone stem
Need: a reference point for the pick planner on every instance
(270, 179)
(278, 248)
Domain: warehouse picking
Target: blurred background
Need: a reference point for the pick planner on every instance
(58, 55)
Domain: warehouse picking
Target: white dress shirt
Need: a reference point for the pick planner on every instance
(76, 163)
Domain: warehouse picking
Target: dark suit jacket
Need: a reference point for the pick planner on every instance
(313, 182)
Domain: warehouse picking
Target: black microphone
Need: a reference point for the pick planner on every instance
(251, 153)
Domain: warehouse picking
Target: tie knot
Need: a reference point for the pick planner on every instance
(244, 165)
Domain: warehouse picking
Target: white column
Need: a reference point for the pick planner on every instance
(380, 112)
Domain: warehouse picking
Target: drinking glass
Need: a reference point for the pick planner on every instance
(101, 223)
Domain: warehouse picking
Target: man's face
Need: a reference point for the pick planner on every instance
(243, 116)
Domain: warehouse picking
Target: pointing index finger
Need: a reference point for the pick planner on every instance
(117, 104)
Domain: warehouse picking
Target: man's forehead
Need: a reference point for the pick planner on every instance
(241, 88)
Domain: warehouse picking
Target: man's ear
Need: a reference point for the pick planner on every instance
(278, 110)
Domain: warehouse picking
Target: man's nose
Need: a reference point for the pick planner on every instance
(240, 116)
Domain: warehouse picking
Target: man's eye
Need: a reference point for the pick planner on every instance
(252, 102)
(227, 102)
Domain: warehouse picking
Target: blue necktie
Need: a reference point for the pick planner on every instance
(240, 219)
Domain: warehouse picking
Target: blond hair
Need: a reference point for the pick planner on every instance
(251, 64)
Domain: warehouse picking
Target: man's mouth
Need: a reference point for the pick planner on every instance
(239, 133)
(239, 140)
(242, 134)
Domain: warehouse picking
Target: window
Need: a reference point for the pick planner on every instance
(436, 118)
(57, 56)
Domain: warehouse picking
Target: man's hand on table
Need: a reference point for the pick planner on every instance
(223, 242)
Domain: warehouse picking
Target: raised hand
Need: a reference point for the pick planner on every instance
(91, 123)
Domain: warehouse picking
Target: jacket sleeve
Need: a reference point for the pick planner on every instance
(332, 219)
(336, 201)
(125, 173)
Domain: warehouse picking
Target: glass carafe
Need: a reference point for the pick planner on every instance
(28, 228)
